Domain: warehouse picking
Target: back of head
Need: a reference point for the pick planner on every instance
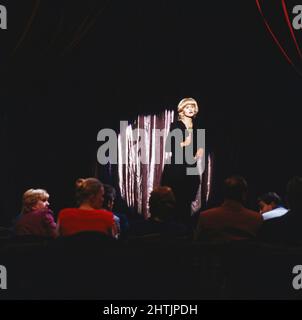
(86, 188)
(162, 203)
(109, 196)
(294, 193)
(235, 188)
(31, 198)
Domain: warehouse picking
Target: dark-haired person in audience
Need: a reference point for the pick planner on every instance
(270, 206)
(161, 224)
(287, 228)
(108, 204)
(36, 219)
(89, 216)
(230, 221)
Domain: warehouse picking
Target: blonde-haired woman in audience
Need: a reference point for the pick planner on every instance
(36, 218)
(89, 215)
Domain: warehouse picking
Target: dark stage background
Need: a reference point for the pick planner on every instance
(71, 68)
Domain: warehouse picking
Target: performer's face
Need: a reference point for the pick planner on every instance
(189, 110)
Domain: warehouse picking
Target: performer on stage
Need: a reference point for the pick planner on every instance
(177, 175)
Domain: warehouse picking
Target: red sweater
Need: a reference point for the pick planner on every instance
(73, 220)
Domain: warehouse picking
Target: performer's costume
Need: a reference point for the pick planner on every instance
(177, 175)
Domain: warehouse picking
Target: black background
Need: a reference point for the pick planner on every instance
(70, 68)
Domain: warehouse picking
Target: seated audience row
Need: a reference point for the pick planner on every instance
(228, 222)
(273, 223)
(36, 219)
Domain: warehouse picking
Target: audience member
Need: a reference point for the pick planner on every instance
(108, 204)
(286, 229)
(162, 208)
(88, 216)
(230, 221)
(270, 205)
(36, 219)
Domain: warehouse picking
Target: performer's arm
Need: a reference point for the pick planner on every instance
(187, 141)
(199, 153)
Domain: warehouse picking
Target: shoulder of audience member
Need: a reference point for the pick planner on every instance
(45, 212)
(76, 210)
(254, 213)
(67, 211)
(48, 216)
(209, 212)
